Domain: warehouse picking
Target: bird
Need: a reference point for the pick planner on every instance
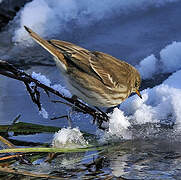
(96, 78)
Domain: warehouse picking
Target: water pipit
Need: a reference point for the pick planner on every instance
(97, 78)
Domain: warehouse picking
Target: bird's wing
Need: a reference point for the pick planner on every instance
(69, 47)
(45, 44)
(64, 51)
(76, 54)
(95, 63)
(107, 67)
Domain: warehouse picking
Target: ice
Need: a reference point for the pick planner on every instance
(49, 18)
(69, 138)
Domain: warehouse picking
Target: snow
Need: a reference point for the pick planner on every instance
(162, 101)
(160, 104)
(44, 113)
(44, 80)
(118, 127)
(147, 67)
(55, 16)
(174, 80)
(69, 138)
(62, 90)
(171, 57)
(169, 62)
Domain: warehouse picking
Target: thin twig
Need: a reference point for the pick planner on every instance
(10, 71)
(9, 157)
(58, 101)
(60, 117)
(14, 121)
(12, 146)
(5, 141)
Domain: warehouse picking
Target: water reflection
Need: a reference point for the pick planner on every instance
(147, 159)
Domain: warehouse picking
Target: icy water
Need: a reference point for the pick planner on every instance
(143, 139)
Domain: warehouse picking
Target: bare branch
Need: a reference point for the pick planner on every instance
(14, 121)
(11, 71)
(65, 116)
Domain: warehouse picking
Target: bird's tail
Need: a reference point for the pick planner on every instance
(44, 43)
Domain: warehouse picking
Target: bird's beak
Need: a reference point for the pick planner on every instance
(138, 93)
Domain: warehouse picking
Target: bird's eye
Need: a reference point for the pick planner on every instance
(136, 84)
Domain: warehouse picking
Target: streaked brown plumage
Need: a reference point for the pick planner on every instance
(95, 77)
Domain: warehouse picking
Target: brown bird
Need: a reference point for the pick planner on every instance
(97, 78)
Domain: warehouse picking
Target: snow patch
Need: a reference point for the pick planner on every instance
(55, 16)
(170, 61)
(158, 104)
(44, 80)
(147, 67)
(171, 57)
(62, 90)
(118, 127)
(44, 113)
(69, 138)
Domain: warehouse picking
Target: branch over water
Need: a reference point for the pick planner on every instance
(8, 70)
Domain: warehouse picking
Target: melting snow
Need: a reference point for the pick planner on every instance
(67, 137)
